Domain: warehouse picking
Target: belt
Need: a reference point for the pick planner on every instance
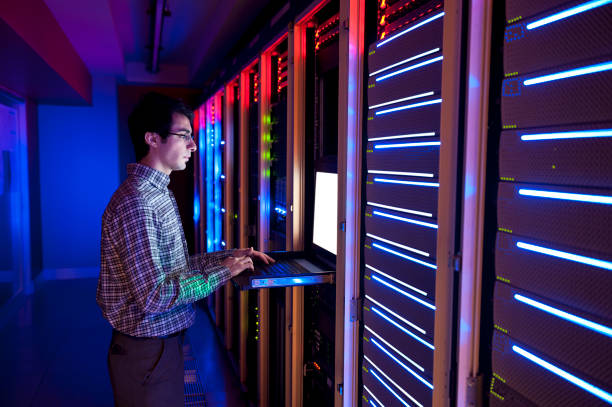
(144, 338)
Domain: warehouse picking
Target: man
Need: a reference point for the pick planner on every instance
(148, 282)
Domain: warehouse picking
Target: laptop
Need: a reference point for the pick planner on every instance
(304, 268)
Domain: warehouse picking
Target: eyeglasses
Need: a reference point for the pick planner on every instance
(186, 137)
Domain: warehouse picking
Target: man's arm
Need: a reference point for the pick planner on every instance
(138, 233)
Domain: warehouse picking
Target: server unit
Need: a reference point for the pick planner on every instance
(402, 185)
(551, 306)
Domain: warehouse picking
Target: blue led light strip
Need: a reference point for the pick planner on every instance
(388, 319)
(389, 388)
(605, 66)
(392, 381)
(412, 58)
(602, 329)
(412, 372)
(600, 199)
(423, 293)
(411, 28)
(401, 246)
(407, 145)
(410, 68)
(596, 391)
(415, 105)
(396, 315)
(380, 338)
(414, 135)
(404, 293)
(402, 255)
(407, 220)
(568, 134)
(372, 396)
(402, 173)
(589, 5)
(391, 102)
(415, 183)
(395, 208)
(567, 256)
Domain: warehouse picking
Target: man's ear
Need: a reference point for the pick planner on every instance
(152, 139)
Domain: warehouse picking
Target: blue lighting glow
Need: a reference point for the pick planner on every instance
(396, 315)
(372, 396)
(407, 220)
(412, 58)
(412, 28)
(605, 66)
(596, 391)
(404, 392)
(401, 246)
(391, 102)
(415, 183)
(412, 297)
(387, 318)
(222, 210)
(280, 210)
(222, 176)
(602, 329)
(412, 372)
(407, 145)
(374, 269)
(395, 208)
(600, 199)
(223, 243)
(196, 209)
(389, 388)
(412, 106)
(409, 68)
(567, 256)
(413, 135)
(589, 5)
(412, 259)
(568, 134)
(222, 142)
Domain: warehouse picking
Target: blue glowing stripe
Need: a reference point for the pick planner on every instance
(415, 183)
(412, 372)
(377, 311)
(407, 220)
(392, 102)
(412, 259)
(568, 134)
(407, 30)
(223, 243)
(404, 392)
(596, 391)
(196, 209)
(280, 210)
(222, 142)
(412, 297)
(373, 396)
(389, 388)
(600, 199)
(222, 176)
(412, 106)
(602, 329)
(412, 58)
(567, 256)
(408, 145)
(605, 66)
(410, 68)
(589, 5)
(222, 210)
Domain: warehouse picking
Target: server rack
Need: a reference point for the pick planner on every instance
(551, 308)
(413, 113)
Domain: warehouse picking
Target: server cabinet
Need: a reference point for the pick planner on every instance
(551, 306)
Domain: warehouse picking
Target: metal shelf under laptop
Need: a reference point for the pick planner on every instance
(290, 269)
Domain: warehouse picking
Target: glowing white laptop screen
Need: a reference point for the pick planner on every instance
(325, 225)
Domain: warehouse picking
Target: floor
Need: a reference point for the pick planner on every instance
(54, 346)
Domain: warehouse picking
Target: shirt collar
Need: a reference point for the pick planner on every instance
(157, 178)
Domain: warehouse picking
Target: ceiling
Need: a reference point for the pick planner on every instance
(111, 36)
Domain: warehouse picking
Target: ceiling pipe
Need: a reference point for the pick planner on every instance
(158, 11)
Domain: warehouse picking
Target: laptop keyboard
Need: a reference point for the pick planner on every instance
(282, 267)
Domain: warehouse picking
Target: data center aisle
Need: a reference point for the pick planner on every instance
(53, 352)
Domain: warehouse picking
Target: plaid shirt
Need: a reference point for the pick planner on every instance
(148, 282)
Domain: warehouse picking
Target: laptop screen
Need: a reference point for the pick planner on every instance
(325, 223)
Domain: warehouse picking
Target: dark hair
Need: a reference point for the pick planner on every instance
(153, 113)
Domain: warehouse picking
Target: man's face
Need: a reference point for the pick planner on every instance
(177, 148)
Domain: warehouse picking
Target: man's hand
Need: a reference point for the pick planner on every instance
(254, 254)
(237, 265)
